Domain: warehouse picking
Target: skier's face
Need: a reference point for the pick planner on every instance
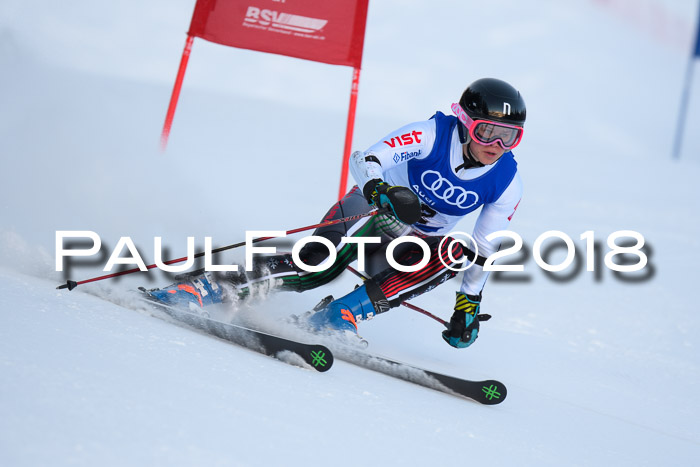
(487, 155)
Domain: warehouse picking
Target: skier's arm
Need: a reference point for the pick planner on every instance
(493, 217)
(368, 169)
(414, 140)
(463, 328)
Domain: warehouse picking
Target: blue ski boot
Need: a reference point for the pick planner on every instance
(194, 293)
(344, 313)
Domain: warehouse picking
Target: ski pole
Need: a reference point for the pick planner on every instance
(70, 285)
(406, 304)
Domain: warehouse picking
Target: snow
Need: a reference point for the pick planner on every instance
(600, 371)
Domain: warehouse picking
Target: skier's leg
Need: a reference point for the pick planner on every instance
(201, 289)
(390, 287)
(287, 275)
(398, 286)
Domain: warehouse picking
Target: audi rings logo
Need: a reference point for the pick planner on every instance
(444, 189)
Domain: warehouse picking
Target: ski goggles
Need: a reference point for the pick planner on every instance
(486, 132)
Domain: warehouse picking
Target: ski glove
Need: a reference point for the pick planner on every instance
(403, 202)
(463, 328)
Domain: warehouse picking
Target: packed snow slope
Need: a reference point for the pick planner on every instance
(602, 369)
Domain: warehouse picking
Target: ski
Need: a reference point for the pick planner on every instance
(487, 392)
(318, 357)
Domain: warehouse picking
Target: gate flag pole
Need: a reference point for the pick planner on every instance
(348, 133)
(685, 96)
(176, 93)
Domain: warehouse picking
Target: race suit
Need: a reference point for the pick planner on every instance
(428, 158)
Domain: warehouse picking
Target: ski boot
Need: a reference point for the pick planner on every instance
(341, 315)
(193, 293)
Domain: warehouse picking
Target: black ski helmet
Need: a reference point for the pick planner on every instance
(495, 100)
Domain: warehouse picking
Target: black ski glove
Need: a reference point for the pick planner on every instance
(403, 202)
(464, 324)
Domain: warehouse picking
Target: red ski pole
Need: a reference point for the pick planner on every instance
(70, 285)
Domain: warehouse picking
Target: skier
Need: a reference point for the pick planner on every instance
(428, 175)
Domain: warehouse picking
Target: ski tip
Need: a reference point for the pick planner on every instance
(320, 358)
(492, 392)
